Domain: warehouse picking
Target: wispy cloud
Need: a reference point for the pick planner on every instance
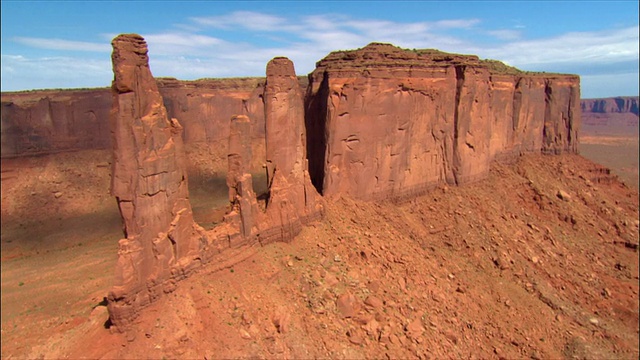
(53, 72)
(609, 46)
(457, 23)
(61, 44)
(243, 19)
(505, 34)
(182, 43)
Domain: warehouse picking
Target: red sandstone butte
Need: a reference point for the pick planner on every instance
(392, 123)
(149, 182)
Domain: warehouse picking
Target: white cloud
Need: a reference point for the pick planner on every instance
(576, 47)
(505, 34)
(168, 43)
(61, 44)
(457, 23)
(22, 73)
(246, 19)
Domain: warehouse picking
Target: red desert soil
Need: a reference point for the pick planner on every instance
(620, 153)
(539, 260)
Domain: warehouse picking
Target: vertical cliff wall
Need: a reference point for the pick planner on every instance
(392, 123)
(207, 105)
(49, 121)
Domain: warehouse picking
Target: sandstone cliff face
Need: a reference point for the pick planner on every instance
(48, 121)
(207, 106)
(149, 182)
(396, 122)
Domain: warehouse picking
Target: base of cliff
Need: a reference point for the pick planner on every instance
(540, 260)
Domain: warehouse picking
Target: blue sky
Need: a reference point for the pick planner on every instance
(66, 44)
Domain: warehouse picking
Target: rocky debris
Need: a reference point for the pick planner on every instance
(374, 302)
(562, 195)
(347, 305)
(389, 253)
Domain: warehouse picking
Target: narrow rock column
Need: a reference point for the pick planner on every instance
(239, 180)
(284, 120)
(292, 198)
(149, 181)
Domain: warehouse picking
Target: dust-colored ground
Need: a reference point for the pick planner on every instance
(540, 260)
(619, 153)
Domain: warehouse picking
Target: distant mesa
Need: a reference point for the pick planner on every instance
(617, 116)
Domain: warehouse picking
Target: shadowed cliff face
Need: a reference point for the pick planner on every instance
(395, 122)
(49, 121)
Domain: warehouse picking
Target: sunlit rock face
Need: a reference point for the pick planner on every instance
(149, 182)
(393, 123)
(293, 200)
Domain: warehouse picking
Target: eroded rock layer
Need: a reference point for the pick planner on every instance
(149, 182)
(392, 123)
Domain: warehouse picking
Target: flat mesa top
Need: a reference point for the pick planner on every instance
(381, 55)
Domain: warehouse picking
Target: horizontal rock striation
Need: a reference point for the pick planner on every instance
(393, 123)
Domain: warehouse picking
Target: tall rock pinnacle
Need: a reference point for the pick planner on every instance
(284, 117)
(292, 197)
(149, 182)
